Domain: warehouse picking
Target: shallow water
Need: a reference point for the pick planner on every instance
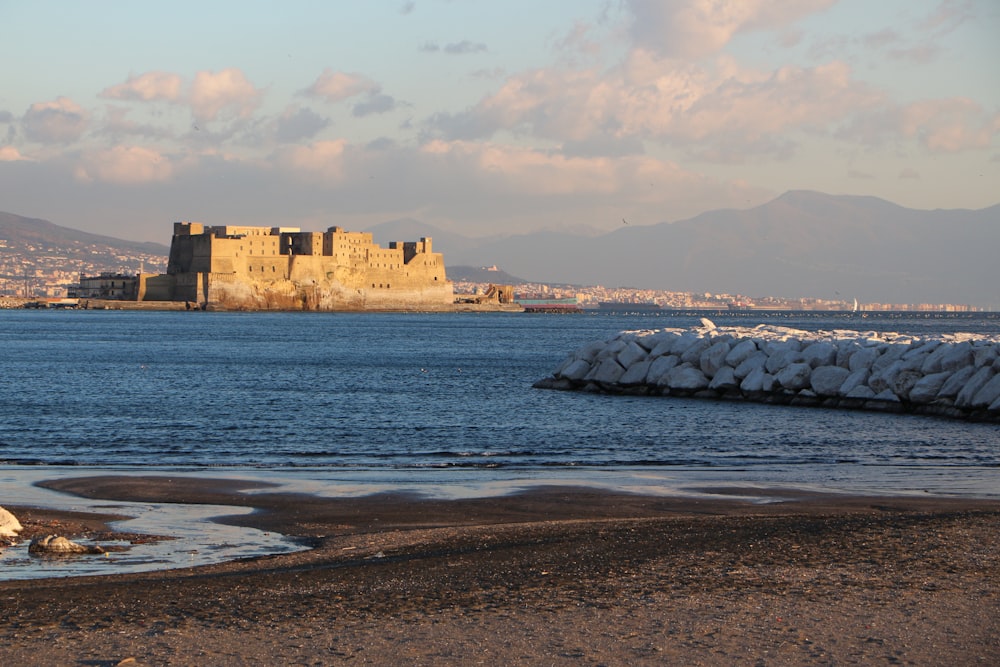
(196, 538)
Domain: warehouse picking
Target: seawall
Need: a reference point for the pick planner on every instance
(955, 375)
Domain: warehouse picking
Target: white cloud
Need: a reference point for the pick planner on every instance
(124, 165)
(11, 154)
(147, 87)
(322, 160)
(699, 28)
(716, 112)
(949, 125)
(61, 120)
(338, 86)
(229, 90)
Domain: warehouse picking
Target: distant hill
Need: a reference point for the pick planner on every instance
(22, 231)
(801, 244)
(476, 274)
(37, 255)
(408, 229)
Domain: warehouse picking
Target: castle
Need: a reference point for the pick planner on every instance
(282, 268)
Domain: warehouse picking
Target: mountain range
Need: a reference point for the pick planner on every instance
(801, 244)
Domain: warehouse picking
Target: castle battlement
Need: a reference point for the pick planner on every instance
(285, 268)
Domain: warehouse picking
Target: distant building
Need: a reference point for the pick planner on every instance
(114, 286)
(281, 268)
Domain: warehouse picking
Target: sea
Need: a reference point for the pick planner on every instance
(439, 404)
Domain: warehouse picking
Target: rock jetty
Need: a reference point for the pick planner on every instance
(954, 375)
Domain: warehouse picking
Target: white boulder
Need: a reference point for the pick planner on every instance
(988, 394)
(658, 369)
(714, 358)
(972, 387)
(608, 371)
(827, 380)
(926, 388)
(794, 376)
(636, 373)
(9, 525)
(58, 545)
(686, 377)
(577, 370)
(820, 353)
(740, 352)
(725, 380)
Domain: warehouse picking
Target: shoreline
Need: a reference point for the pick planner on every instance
(552, 575)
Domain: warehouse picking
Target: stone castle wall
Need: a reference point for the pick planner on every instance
(275, 268)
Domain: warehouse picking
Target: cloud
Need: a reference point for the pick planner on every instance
(949, 125)
(715, 112)
(124, 165)
(11, 154)
(464, 47)
(578, 39)
(947, 16)
(338, 86)
(322, 160)
(296, 124)
(147, 87)
(228, 90)
(407, 8)
(61, 120)
(528, 172)
(117, 124)
(693, 29)
(375, 103)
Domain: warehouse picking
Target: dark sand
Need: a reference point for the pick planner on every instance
(552, 577)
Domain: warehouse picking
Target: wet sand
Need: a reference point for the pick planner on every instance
(550, 576)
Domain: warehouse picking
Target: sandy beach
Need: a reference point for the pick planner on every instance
(547, 577)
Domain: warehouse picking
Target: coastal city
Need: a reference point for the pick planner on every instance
(45, 272)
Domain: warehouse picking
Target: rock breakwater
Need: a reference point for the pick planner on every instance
(954, 375)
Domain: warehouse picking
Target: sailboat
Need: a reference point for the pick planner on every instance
(855, 309)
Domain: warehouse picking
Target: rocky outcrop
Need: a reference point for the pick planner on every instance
(955, 375)
(9, 525)
(60, 546)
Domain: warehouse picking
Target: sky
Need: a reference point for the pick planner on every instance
(488, 118)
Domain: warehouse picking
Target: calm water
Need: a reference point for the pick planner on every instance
(433, 399)
(350, 404)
